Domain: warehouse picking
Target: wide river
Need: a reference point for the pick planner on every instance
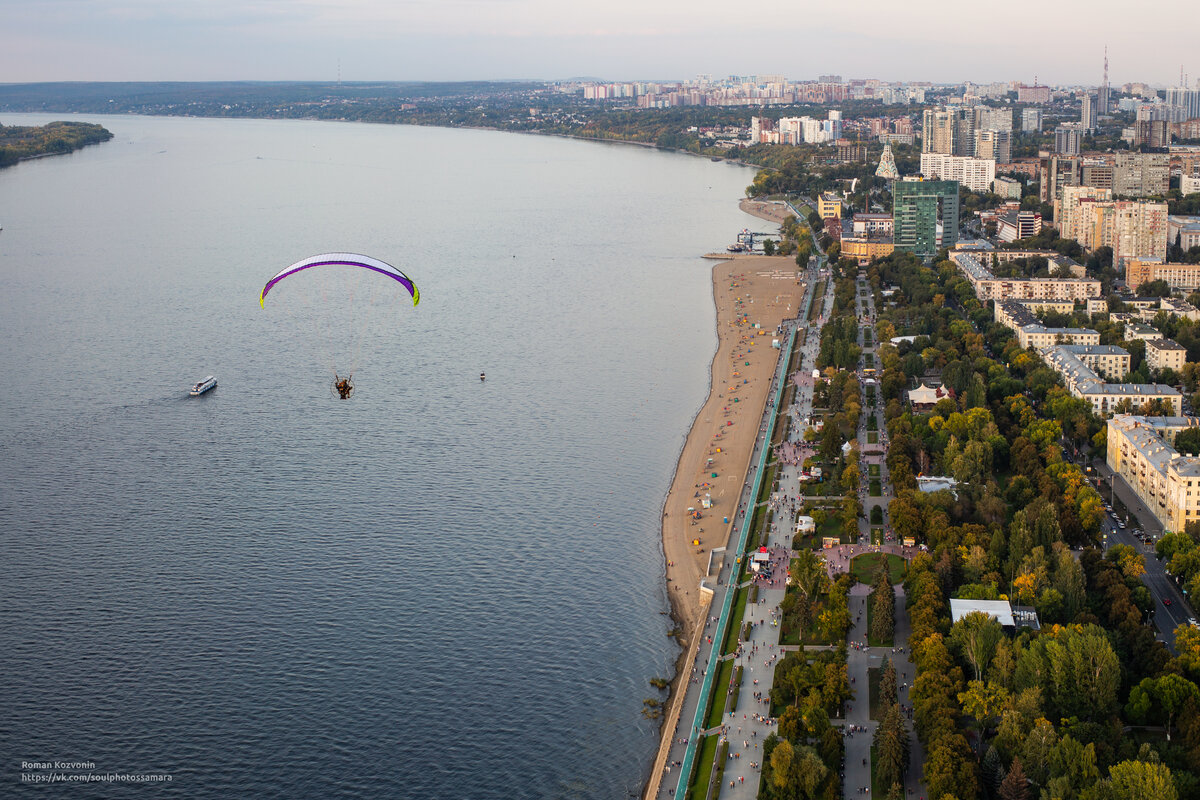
(440, 588)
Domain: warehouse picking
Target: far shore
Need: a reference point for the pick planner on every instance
(715, 460)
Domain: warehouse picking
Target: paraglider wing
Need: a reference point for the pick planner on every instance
(342, 260)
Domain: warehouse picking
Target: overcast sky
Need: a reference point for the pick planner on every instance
(1057, 41)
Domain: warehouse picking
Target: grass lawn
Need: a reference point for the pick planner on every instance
(735, 622)
(720, 692)
(876, 535)
(873, 488)
(872, 437)
(873, 470)
(705, 756)
(873, 675)
(830, 527)
(863, 567)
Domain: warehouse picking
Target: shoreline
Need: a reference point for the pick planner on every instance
(747, 289)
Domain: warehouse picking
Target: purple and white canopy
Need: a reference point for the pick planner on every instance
(342, 260)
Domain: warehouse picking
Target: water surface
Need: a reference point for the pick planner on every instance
(440, 588)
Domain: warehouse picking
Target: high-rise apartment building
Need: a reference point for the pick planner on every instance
(1134, 229)
(1140, 174)
(1151, 132)
(1038, 95)
(1031, 120)
(1087, 115)
(938, 131)
(926, 215)
(834, 126)
(993, 144)
(964, 132)
(976, 174)
(1187, 99)
(1067, 138)
(996, 119)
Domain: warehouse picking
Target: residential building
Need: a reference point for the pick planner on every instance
(996, 119)
(1189, 185)
(1008, 188)
(1031, 120)
(993, 144)
(1068, 137)
(1140, 174)
(1174, 307)
(829, 205)
(1132, 228)
(1140, 451)
(1018, 225)
(988, 287)
(1180, 277)
(1105, 398)
(1106, 360)
(1055, 172)
(1073, 212)
(833, 125)
(1151, 132)
(1037, 95)
(1183, 231)
(1016, 315)
(1165, 354)
(1087, 116)
(1185, 98)
(976, 174)
(937, 133)
(926, 215)
(850, 152)
(872, 225)
(1140, 330)
(866, 249)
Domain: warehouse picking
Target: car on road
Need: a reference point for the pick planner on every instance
(1193, 623)
(1166, 601)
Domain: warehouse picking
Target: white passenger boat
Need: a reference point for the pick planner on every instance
(203, 386)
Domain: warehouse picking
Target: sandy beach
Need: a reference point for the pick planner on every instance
(770, 210)
(716, 455)
(747, 290)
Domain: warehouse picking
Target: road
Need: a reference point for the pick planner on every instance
(1162, 586)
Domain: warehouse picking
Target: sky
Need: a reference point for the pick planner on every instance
(1057, 42)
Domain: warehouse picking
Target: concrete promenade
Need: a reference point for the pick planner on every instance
(744, 726)
(686, 736)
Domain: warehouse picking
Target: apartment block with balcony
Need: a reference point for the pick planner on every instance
(1140, 451)
(1165, 354)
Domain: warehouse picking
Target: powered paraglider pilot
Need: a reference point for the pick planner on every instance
(344, 387)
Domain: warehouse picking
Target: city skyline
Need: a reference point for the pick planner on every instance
(130, 40)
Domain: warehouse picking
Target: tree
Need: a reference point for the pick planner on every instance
(1172, 692)
(883, 607)
(810, 773)
(1139, 780)
(950, 768)
(887, 684)
(1073, 767)
(1015, 785)
(768, 247)
(783, 766)
(976, 634)
(1187, 441)
(891, 747)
